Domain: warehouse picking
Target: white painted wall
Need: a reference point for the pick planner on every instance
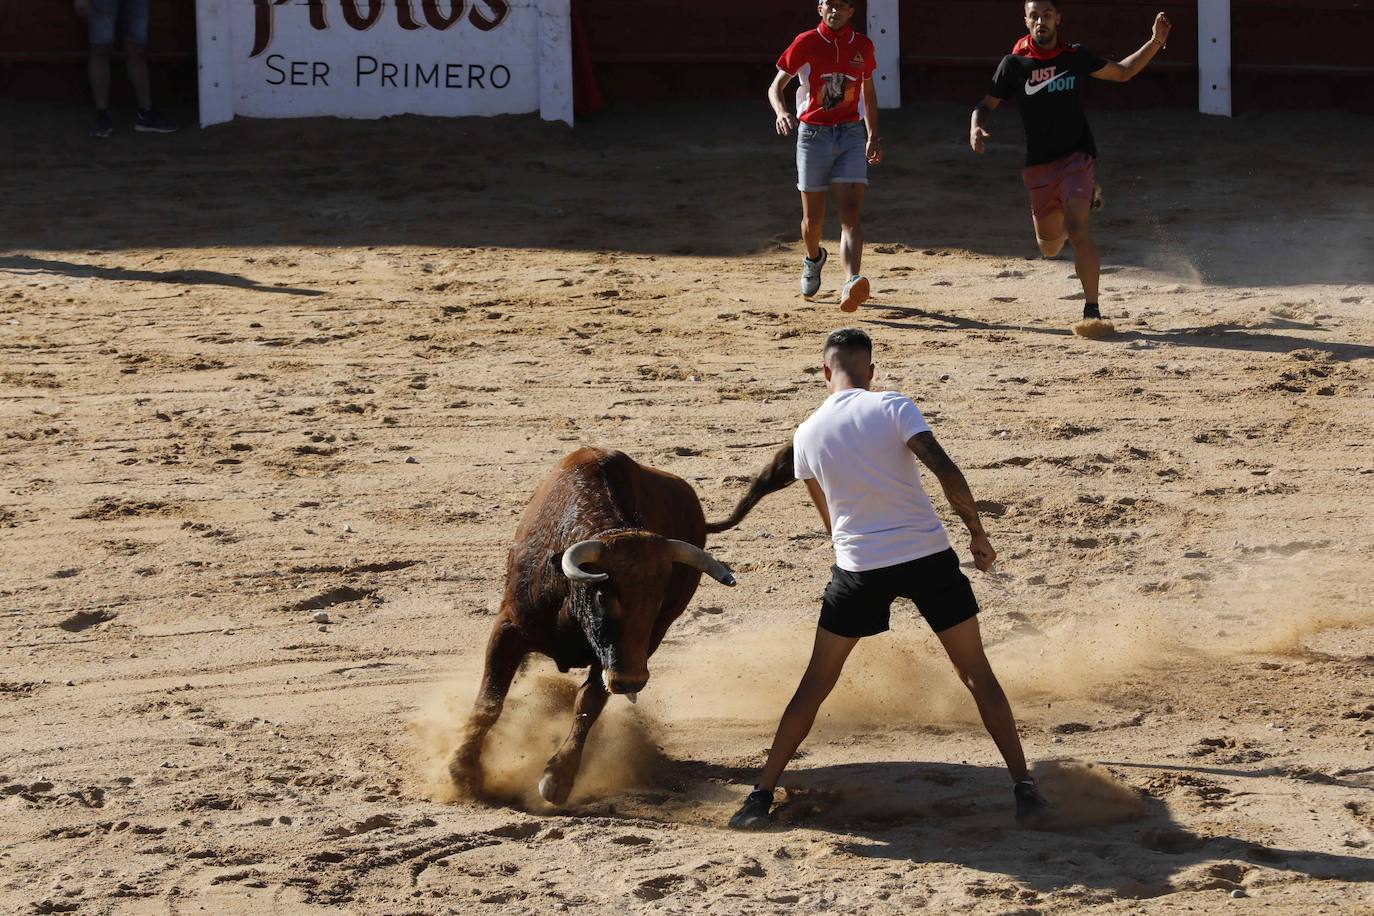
(555, 61)
(1214, 57)
(884, 18)
(522, 65)
(215, 62)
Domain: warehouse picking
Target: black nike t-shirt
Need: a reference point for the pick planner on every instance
(1050, 94)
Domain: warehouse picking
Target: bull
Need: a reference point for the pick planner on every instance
(607, 555)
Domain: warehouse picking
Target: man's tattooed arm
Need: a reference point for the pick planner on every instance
(952, 481)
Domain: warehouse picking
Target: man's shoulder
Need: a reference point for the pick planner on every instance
(890, 397)
(1079, 52)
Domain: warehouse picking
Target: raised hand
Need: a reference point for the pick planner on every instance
(1161, 30)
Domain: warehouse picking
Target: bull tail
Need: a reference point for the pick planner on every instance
(778, 475)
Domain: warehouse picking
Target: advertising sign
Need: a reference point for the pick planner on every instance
(372, 58)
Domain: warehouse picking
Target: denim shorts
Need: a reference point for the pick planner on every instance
(828, 154)
(130, 15)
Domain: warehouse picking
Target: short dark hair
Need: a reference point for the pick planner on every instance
(848, 340)
(1053, 3)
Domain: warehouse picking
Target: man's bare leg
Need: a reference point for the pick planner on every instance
(828, 656)
(136, 64)
(964, 644)
(849, 200)
(813, 221)
(1050, 234)
(1085, 255)
(99, 69)
(849, 197)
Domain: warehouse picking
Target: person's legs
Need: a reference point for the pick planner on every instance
(849, 201)
(828, 656)
(964, 644)
(100, 32)
(1085, 255)
(813, 220)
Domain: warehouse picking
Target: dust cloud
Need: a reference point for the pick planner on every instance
(1084, 795)
(620, 754)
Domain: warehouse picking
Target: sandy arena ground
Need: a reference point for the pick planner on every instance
(271, 368)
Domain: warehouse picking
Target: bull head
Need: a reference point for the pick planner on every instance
(618, 606)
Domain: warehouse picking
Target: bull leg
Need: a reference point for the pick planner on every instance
(557, 782)
(505, 650)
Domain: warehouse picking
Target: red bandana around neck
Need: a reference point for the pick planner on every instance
(1027, 47)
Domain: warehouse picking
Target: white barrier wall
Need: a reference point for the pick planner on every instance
(884, 30)
(371, 58)
(1214, 57)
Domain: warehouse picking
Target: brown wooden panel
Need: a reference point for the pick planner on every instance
(1287, 52)
(761, 28)
(1322, 36)
(50, 29)
(1111, 28)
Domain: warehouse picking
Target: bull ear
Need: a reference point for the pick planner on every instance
(579, 553)
(693, 556)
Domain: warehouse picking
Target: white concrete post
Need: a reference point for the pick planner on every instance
(214, 54)
(1214, 57)
(883, 21)
(555, 61)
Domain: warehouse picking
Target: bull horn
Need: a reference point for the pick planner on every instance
(579, 553)
(693, 556)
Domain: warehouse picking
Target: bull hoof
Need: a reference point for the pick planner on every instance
(466, 775)
(553, 790)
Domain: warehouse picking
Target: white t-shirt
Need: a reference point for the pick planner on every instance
(854, 446)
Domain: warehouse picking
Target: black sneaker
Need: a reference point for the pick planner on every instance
(1090, 310)
(1031, 806)
(103, 126)
(753, 814)
(150, 122)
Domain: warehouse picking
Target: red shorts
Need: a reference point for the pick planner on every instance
(1052, 184)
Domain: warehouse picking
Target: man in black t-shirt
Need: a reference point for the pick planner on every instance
(1047, 78)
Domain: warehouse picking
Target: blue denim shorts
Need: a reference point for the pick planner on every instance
(130, 15)
(827, 154)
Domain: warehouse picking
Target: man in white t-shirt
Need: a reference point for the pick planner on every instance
(855, 455)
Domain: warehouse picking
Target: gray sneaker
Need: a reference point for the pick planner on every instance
(811, 275)
(855, 294)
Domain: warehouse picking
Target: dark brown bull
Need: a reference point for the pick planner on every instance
(606, 557)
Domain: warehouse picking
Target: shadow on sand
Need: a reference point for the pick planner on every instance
(26, 265)
(1214, 337)
(962, 815)
(703, 179)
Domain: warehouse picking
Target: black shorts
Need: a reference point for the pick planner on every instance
(860, 603)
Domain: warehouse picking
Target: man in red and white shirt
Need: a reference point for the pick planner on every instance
(836, 101)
